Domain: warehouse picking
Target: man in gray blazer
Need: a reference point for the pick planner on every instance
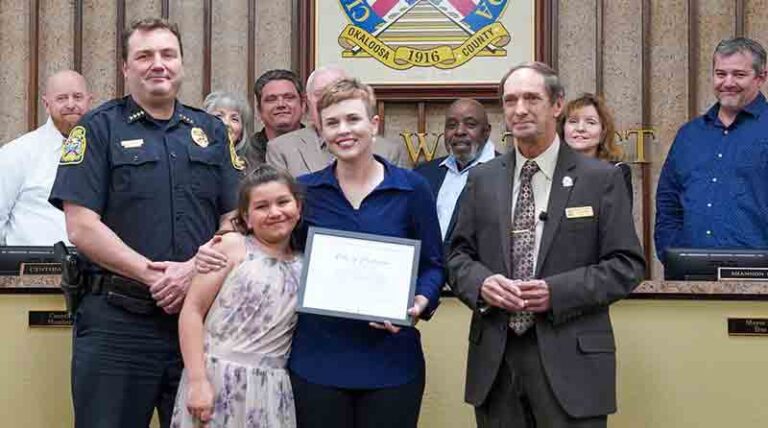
(544, 242)
(304, 150)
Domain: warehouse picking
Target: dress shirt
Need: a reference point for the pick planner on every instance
(454, 183)
(349, 353)
(541, 183)
(28, 166)
(713, 188)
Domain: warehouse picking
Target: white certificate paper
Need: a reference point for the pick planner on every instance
(359, 276)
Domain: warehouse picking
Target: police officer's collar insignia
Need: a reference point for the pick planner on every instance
(73, 150)
(199, 137)
(136, 115)
(237, 161)
(186, 119)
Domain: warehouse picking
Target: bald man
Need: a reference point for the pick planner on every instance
(303, 151)
(29, 163)
(466, 135)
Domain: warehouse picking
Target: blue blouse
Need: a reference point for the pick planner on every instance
(349, 353)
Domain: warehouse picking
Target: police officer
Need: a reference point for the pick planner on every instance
(143, 181)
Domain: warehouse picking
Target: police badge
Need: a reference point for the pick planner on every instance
(199, 137)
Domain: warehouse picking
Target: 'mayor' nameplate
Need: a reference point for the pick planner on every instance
(748, 326)
(579, 212)
(742, 274)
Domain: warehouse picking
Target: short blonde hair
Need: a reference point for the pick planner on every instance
(347, 89)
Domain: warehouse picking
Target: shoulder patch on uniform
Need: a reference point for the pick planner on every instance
(237, 162)
(199, 137)
(73, 149)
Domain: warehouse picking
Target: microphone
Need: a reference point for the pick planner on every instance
(543, 216)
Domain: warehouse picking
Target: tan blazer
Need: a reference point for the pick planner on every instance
(303, 151)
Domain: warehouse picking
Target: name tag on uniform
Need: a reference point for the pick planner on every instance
(132, 144)
(579, 212)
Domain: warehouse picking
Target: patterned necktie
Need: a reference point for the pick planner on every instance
(523, 240)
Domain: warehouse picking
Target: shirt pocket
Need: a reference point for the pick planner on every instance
(751, 170)
(204, 179)
(134, 170)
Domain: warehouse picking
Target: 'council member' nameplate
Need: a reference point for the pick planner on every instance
(359, 276)
(742, 274)
(748, 326)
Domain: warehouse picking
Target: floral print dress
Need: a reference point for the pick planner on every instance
(248, 333)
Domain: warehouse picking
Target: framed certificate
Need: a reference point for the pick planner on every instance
(359, 276)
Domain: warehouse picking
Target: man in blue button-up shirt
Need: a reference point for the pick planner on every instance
(713, 189)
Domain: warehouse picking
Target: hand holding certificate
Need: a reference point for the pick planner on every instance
(360, 276)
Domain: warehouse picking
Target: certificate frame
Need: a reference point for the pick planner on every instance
(344, 239)
(319, 27)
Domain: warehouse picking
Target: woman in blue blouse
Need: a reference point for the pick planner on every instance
(351, 373)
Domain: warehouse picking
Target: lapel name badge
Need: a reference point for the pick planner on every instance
(567, 181)
(579, 212)
(199, 137)
(132, 144)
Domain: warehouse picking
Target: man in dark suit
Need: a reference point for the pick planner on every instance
(466, 137)
(544, 242)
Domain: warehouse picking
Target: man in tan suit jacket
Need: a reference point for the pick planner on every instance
(303, 151)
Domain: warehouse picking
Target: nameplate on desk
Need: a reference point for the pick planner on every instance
(40, 269)
(49, 319)
(748, 326)
(742, 274)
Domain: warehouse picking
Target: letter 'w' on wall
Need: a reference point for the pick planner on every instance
(415, 151)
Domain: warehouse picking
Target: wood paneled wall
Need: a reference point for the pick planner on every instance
(225, 47)
(651, 59)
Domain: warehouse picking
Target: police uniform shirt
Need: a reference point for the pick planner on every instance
(161, 186)
(28, 166)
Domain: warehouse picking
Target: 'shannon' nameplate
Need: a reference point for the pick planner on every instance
(742, 274)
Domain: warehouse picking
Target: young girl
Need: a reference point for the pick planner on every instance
(237, 322)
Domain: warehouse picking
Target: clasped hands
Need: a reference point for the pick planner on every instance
(168, 283)
(514, 295)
